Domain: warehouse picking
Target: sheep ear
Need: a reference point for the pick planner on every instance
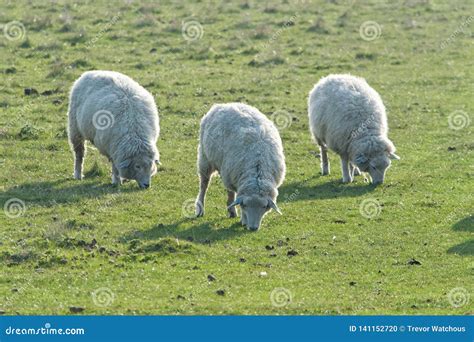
(124, 164)
(238, 201)
(273, 205)
(361, 159)
(394, 156)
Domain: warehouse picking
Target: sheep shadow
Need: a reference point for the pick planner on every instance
(465, 225)
(302, 190)
(50, 193)
(202, 233)
(465, 248)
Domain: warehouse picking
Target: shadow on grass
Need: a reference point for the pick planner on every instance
(50, 193)
(300, 191)
(465, 248)
(465, 225)
(203, 233)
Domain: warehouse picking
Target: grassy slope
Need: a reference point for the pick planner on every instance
(427, 200)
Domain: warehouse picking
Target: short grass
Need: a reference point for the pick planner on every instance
(87, 247)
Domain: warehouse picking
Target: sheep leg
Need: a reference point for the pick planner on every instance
(243, 217)
(78, 146)
(76, 140)
(204, 183)
(324, 160)
(115, 176)
(354, 170)
(230, 200)
(346, 174)
(205, 173)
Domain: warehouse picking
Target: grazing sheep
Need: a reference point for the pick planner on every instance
(245, 148)
(120, 118)
(347, 116)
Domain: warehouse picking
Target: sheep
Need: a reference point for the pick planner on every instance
(347, 116)
(119, 117)
(240, 143)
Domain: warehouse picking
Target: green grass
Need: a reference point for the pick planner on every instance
(76, 238)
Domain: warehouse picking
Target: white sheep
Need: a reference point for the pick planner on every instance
(239, 142)
(119, 117)
(347, 116)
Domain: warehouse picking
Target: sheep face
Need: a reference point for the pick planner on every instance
(253, 209)
(140, 168)
(375, 165)
(374, 157)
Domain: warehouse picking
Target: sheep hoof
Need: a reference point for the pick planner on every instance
(199, 208)
(231, 214)
(199, 212)
(116, 181)
(78, 176)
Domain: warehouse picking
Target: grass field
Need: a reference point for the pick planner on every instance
(86, 247)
